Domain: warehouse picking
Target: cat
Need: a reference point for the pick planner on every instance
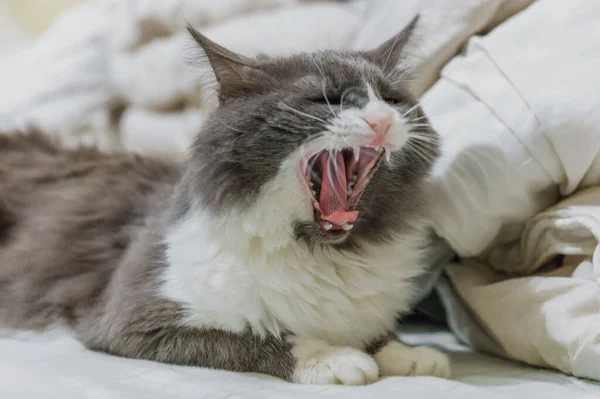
(286, 243)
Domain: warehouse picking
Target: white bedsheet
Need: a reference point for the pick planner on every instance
(54, 365)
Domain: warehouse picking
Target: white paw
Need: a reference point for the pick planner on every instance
(401, 360)
(320, 363)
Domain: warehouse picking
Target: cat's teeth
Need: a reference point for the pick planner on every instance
(354, 178)
(356, 151)
(349, 187)
(388, 156)
(310, 184)
(377, 147)
(314, 192)
(327, 226)
(347, 226)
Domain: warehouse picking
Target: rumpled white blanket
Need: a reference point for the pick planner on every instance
(520, 115)
(518, 112)
(552, 317)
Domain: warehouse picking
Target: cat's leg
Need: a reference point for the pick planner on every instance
(301, 360)
(397, 359)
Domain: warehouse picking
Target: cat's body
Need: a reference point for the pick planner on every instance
(67, 220)
(227, 261)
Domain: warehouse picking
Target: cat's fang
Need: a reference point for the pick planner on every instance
(327, 226)
(347, 227)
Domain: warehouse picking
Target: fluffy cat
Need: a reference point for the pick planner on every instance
(287, 243)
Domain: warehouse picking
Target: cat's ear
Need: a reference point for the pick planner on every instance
(234, 72)
(389, 54)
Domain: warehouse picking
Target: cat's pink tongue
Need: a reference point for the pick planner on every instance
(334, 199)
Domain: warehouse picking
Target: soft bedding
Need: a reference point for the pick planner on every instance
(55, 365)
(519, 116)
(521, 125)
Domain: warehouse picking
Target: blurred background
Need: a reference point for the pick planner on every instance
(23, 19)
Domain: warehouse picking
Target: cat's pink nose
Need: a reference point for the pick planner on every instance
(380, 122)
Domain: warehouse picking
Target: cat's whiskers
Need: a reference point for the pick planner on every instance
(286, 106)
(425, 138)
(421, 138)
(411, 109)
(413, 154)
(424, 153)
(394, 71)
(417, 119)
(319, 66)
(399, 71)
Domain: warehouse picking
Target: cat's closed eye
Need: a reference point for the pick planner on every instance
(333, 100)
(337, 100)
(391, 100)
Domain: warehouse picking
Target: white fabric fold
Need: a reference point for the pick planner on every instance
(520, 119)
(551, 318)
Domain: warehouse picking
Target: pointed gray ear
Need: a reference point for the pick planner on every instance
(234, 72)
(388, 54)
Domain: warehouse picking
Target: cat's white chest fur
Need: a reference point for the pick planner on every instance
(234, 278)
(247, 270)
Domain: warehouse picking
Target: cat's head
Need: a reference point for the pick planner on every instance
(330, 143)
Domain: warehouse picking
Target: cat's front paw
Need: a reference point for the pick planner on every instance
(320, 363)
(396, 359)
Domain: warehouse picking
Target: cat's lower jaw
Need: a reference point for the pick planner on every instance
(317, 362)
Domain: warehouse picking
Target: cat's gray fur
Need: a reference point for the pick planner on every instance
(81, 232)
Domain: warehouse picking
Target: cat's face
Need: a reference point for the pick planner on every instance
(332, 142)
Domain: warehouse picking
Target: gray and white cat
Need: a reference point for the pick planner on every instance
(286, 244)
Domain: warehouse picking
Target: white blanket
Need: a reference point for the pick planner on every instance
(518, 112)
(520, 116)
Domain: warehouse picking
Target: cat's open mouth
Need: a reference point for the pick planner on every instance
(336, 180)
